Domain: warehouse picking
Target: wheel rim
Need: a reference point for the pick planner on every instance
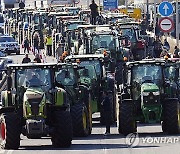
(3, 131)
(84, 121)
(178, 117)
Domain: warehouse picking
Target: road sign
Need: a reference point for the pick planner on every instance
(165, 9)
(110, 4)
(166, 24)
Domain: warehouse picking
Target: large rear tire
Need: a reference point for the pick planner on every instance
(171, 122)
(62, 135)
(80, 120)
(10, 130)
(127, 123)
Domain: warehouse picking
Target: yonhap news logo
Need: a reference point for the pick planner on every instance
(133, 140)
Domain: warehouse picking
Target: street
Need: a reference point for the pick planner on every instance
(111, 64)
(98, 143)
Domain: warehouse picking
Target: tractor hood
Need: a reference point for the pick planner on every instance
(34, 93)
(149, 87)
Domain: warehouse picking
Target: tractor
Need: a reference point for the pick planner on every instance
(67, 76)
(146, 98)
(34, 106)
(97, 79)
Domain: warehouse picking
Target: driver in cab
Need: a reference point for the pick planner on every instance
(34, 81)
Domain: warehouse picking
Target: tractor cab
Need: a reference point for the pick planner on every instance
(132, 39)
(34, 106)
(145, 95)
(96, 78)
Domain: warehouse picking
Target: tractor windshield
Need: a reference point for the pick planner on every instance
(91, 71)
(103, 41)
(129, 33)
(38, 77)
(142, 73)
(66, 77)
(96, 64)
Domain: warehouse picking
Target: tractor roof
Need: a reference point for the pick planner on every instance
(88, 57)
(146, 61)
(31, 65)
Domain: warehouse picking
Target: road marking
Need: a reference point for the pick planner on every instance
(10, 151)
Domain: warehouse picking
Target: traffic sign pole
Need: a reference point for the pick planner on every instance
(177, 22)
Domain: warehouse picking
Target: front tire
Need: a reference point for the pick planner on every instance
(62, 135)
(10, 127)
(80, 120)
(171, 122)
(127, 123)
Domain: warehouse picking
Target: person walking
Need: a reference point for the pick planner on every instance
(157, 47)
(48, 42)
(36, 44)
(26, 59)
(106, 105)
(26, 45)
(166, 44)
(94, 12)
(176, 52)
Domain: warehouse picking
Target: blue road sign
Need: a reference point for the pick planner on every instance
(165, 9)
(110, 4)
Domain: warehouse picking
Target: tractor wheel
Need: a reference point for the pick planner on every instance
(10, 130)
(41, 38)
(80, 120)
(127, 123)
(171, 122)
(62, 135)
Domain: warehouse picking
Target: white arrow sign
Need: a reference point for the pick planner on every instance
(165, 8)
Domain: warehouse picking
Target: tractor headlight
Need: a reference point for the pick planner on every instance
(145, 93)
(156, 93)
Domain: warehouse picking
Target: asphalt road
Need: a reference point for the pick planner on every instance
(150, 139)
(98, 143)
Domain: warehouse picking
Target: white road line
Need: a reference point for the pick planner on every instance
(10, 151)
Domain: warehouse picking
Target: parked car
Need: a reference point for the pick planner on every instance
(9, 45)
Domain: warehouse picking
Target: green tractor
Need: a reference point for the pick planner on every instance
(67, 76)
(145, 97)
(33, 106)
(98, 80)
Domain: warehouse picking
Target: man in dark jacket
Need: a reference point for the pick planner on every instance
(106, 105)
(176, 52)
(37, 59)
(26, 45)
(157, 47)
(94, 12)
(36, 43)
(26, 59)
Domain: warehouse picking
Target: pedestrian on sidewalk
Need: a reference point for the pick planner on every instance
(36, 43)
(26, 59)
(37, 59)
(26, 45)
(176, 52)
(157, 47)
(166, 44)
(106, 105)
(48, 42)
(94, 12)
